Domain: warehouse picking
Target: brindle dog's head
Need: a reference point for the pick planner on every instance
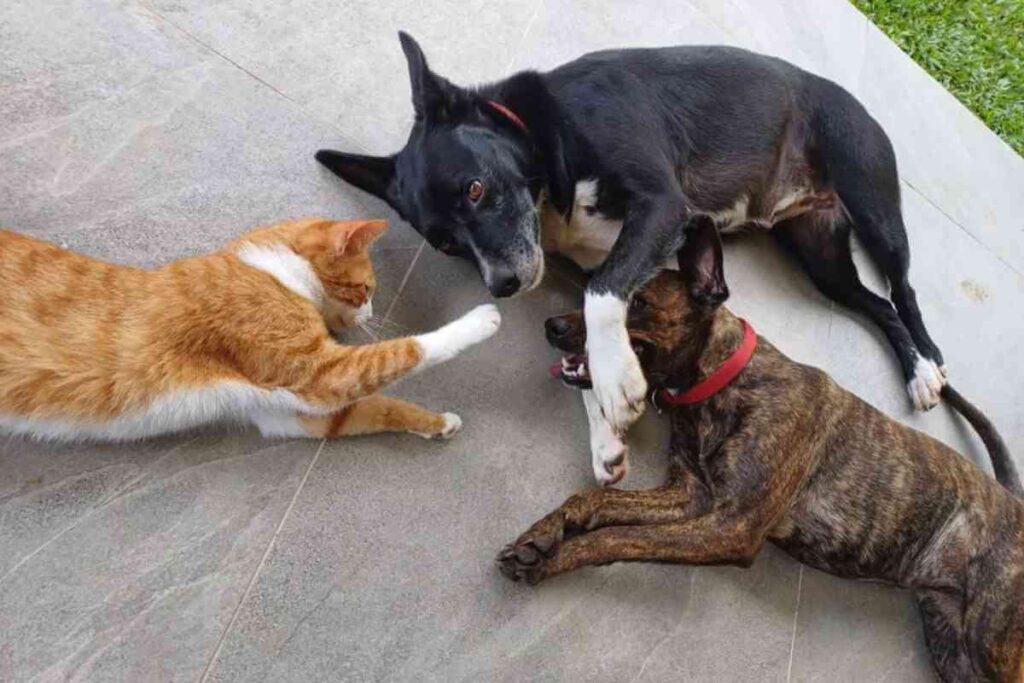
(669, 317)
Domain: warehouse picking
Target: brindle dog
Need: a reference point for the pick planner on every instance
(784, 454)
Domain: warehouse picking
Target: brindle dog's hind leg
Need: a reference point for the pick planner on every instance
(943, 631)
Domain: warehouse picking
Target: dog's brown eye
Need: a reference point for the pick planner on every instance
(475, 191)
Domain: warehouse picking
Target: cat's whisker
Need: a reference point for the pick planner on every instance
(370, 332)
(385, 327)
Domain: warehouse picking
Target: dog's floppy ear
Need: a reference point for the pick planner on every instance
(375, 175)
(700, 262)
(432, 95)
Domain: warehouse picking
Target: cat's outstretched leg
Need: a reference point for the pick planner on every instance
(371, 415)
(344, 374)
(375, 414)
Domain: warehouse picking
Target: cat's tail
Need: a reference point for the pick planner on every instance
(1002, 462)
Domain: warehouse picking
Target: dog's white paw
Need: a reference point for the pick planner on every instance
(925, 385)
(610, 459)
(444, 344)
(619, 383)
(609, 456)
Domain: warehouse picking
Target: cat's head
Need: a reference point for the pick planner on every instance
(340, 255)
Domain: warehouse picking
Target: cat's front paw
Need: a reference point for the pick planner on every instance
(444, 344)
(478, 325)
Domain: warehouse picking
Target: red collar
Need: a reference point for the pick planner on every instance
(509, 114)
(720, 378)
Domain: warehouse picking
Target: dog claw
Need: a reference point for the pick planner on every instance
(527, 554)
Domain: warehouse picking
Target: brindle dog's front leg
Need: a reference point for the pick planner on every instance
(717, 538)
(589, 510)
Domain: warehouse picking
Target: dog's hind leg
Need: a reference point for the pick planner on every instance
(942, 616)
(820, 240)
(852, 154)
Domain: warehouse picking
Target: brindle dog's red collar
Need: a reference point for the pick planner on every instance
(720, 378)
(509, 114)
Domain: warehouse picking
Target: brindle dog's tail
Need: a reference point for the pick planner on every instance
(1002, 461)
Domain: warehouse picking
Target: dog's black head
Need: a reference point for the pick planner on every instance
(463, 180)
(668, 319)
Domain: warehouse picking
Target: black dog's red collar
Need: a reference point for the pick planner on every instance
(509, 114)
(720, 378)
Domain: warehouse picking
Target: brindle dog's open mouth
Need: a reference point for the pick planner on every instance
(573, 371)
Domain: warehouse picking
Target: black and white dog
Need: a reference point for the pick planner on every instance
(604, 158)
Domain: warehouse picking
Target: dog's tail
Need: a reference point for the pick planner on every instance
(1002, 461)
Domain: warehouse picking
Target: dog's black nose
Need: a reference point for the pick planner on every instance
(504, 283)
(556, 327)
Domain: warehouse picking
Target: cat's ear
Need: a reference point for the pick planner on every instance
(361, 234)
(338, 237)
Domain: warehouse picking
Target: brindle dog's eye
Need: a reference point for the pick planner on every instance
(637, 304)
(475, 191)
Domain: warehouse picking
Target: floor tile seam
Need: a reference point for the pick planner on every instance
(959, 225)
(404, 282)
(262, 81)
(259, 567)
(796, 618)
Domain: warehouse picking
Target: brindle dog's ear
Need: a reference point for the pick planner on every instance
(433, 97)
(700, 262)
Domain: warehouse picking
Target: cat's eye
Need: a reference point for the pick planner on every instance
(475, 191)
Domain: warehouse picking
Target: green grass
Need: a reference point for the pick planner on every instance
(975, 48)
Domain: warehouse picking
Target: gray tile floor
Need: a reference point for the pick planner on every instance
(144, 131)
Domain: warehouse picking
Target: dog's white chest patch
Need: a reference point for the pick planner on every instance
(732, 218)
(588, 236)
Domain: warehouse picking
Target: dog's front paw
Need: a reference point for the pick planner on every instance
(524, 559)
(619, 385)
(610, 458)
(925, 385)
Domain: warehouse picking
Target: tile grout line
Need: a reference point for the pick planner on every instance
(952, 220)
(217, 53)
(796, 614)
(405, 280)
(259, 567)
(526, 32)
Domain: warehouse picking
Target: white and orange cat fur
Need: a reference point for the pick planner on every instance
(90, 350)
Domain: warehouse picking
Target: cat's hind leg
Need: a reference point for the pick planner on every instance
(371, 415)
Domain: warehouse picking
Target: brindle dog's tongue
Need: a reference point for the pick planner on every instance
(573, 371)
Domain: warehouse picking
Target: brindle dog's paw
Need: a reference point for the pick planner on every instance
(524, 559)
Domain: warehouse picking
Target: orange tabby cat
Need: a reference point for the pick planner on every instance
(93, 350)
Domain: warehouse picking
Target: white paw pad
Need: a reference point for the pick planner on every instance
(452, 425)
(925, 385)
